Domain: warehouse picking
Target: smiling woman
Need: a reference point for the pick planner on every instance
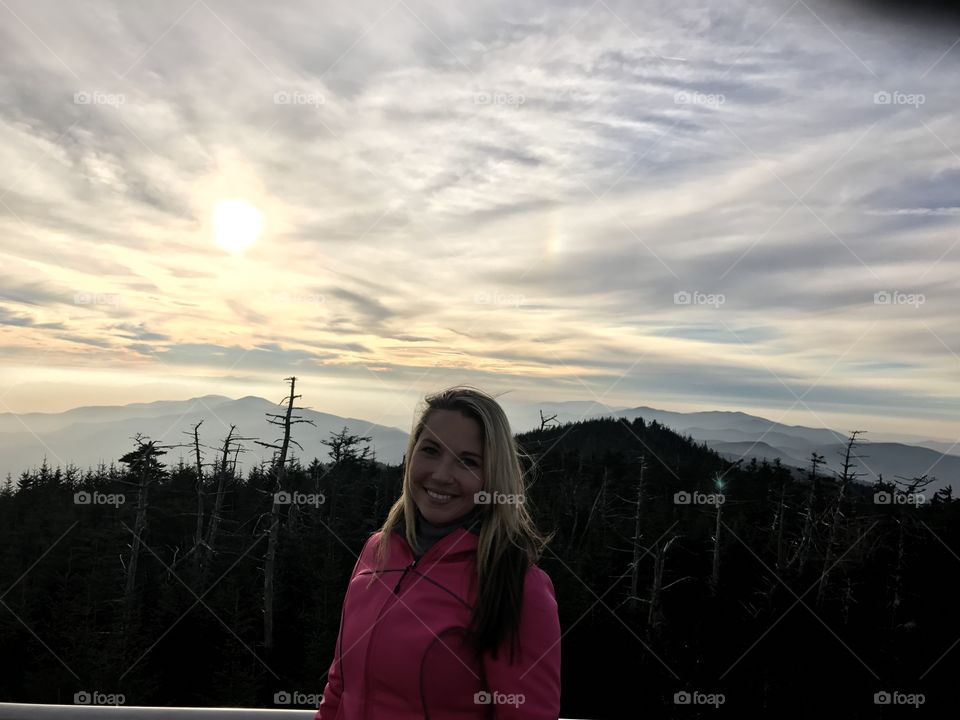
(447, 614)
(236, 224)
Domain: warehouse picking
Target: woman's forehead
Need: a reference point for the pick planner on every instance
(453, 428)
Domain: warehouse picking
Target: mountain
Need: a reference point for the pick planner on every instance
(88, 435)
(737, 435)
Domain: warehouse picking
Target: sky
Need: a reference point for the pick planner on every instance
(693, 206)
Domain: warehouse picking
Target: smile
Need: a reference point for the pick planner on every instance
(439, 497)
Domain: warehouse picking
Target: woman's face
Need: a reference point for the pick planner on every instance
(448, 459)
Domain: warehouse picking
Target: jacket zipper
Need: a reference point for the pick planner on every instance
(408, 568)
(396, 591)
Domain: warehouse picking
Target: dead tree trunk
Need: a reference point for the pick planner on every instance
(715, 572)
(635, 566)
(847, 476)
(278, 472)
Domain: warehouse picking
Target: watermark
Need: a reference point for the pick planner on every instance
(94, 97)
(98, 498)
(288, 298)
(498, 698)
(698, 298)
(95, 697)
(497, 298)
(698, 698)
(698, 498)
(898, 98)
(88, 298)
(499, 98)
(298, 498)
(497, 498)
(685, 97)
(296, 697)
(298, 97)
(898, 698)
(886, 498)
(898, 298)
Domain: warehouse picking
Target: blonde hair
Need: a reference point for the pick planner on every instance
(509, 540)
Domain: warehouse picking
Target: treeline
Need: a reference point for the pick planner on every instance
(675, 570)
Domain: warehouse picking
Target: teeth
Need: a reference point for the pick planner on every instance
(438, 496)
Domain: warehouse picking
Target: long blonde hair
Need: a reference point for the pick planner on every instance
(509, 540)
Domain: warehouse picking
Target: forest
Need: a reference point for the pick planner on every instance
(687, 585)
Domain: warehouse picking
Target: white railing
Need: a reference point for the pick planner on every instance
(27, 711)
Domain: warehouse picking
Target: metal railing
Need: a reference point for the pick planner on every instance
(29, 711)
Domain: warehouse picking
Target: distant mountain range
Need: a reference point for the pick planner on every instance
(86, 436)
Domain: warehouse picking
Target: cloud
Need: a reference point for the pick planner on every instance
(452, 183)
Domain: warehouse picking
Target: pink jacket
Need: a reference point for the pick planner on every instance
(399, 655)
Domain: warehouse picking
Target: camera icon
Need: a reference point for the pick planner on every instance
(82, 98)
(482, 698)
(282, 698)
(681, 298)
(681, 698)
(481, 98)
(881, 698)
(881, 98)
(482, 497)
(882, 298)
(281, 98)
(81, 698)
(681, 498)
(82, 498)
(881, 498)
(281, 498)
(681, 98)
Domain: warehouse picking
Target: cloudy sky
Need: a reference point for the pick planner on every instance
(740, 206)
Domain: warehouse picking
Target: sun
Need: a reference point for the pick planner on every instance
(236, 224)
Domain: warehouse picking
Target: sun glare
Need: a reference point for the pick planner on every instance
(236, 225)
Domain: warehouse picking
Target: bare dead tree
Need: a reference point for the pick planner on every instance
(807, 535)
(278, 472)
(847, 476)
(544, 421)
(715, 571)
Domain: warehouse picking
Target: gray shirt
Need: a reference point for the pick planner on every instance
(428, 534)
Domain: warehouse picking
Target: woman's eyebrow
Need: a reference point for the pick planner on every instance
(465, 452)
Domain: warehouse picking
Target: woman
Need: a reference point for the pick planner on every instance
(446, 615)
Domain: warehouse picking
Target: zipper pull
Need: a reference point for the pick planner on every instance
(396, 590)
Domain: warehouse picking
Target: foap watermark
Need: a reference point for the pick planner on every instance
(89, 298)
(295, 697)
(95, 697)
(498, 98)
(485, 697)
(95, 97)
(98, 498)
(698, 498)
(298, 498)
(293, 298)
(896, 697)
(497, 498)
(899, 98)
(685, 97)
(896, 297)
(498, 298)
(887, 498)
(696, 697)
(685, 297)
(298, 97)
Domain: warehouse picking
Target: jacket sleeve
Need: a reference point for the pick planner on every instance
(529, 689)
(334, 687)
